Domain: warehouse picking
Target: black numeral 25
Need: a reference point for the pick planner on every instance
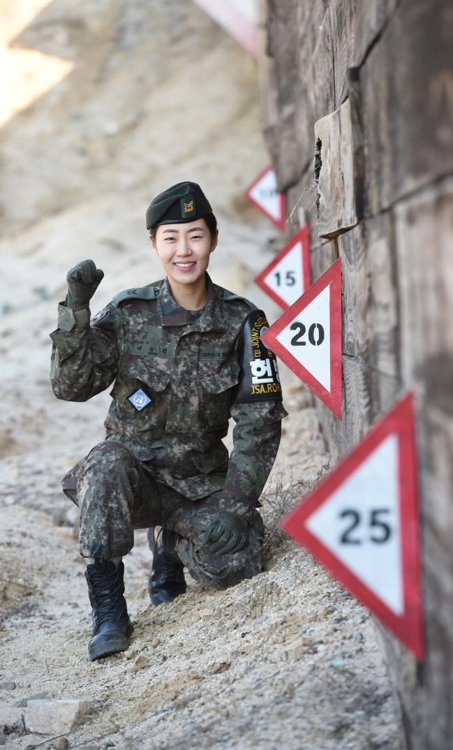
(380, 531)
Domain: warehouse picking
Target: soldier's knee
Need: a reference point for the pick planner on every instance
(106, 458)
(223, 571)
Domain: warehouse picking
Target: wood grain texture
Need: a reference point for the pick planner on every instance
(407, 84)
(357, 333)
(279, 76)
(369, 19)
(384, 299)
(425, 693)
(334, 172)
(391, 63)
(424, 238)
(322, 255)
(341, 15)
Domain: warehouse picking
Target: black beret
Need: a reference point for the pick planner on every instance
(182, 202)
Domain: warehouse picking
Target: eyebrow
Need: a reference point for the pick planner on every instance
(194, 229)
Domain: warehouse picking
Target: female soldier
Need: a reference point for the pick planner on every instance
(184, 355)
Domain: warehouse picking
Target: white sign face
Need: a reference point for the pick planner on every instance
(307, 337)
(287, 278)
(249, 8)
(265, 195)
(360, 524)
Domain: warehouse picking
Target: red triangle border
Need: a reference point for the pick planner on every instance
(409, 626)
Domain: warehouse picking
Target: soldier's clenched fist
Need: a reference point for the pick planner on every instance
(83, 280)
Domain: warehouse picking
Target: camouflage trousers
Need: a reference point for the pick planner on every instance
(117, 494)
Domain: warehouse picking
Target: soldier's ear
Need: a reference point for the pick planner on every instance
(214, 240)
(152, 239)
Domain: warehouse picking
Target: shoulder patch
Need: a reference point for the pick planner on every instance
(99, 316)
(259, 379)
(149, 292)
(232, 297)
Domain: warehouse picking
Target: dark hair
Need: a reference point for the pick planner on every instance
(211, 223)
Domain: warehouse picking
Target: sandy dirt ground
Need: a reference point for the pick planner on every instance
(155, 93)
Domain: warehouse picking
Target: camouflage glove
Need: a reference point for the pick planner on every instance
(227, 534)
(83, 280)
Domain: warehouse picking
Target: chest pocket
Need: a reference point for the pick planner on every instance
(215, 391)
(153, 381)
(153, 377)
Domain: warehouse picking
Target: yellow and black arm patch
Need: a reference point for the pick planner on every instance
(259, 379)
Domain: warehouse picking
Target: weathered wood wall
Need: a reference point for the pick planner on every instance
(358, 107)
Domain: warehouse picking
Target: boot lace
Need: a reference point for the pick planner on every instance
(105, 590)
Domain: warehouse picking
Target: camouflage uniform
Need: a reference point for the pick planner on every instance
(176, 374)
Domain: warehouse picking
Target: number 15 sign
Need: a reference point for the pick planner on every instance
(288, 274)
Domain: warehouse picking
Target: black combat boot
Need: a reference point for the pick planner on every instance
(111, 624)
(166, 580)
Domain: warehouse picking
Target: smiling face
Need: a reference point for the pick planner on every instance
(184, 251)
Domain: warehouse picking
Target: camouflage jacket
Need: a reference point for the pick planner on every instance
(174, 375)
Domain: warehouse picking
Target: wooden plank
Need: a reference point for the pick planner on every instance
(280, 81)
(320, 46)
(426, 695)
(384, 300)
(314, 94)
(370, 17)
(370, 299)
(287, 156)
(435, 444)
(424, 239)
(424, 235)
(356, 294)
(354, 27)
(282, 47)
(341, 14)
(407, 84)
(322, 256)
(334, 173)
(342, 435)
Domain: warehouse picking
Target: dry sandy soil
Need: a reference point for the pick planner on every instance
(286, 661)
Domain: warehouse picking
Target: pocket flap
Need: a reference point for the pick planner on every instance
(156, 379)
(217, 381)
(212, 460)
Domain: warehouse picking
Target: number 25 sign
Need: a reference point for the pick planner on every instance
(307, 337)
(361, 522)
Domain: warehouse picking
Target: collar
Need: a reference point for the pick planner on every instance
(172, 314)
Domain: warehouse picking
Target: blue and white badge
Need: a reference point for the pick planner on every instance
(139, 399)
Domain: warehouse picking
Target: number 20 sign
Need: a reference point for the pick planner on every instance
(288, 274)
(307, 337)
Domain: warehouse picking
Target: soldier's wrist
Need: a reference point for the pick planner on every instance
(70, 319)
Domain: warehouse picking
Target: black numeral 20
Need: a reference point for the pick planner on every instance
(380, 531)
(316, 334)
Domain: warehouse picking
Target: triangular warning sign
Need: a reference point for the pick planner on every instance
(307, 337)
(361, 523)
(287, 277)
(239, 19)
(263, 193)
